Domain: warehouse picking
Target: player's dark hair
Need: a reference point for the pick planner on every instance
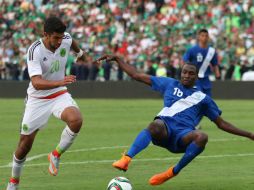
(203, 30)
(191, 64)
(54, 24)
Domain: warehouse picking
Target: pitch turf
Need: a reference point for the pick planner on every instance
(109, 127)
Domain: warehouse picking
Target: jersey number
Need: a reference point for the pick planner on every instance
(55, 66)
(178, 92)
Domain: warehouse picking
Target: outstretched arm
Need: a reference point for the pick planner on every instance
(228, 127)
(130, 70)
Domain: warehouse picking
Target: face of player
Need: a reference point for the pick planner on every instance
(54, 40)
(203, 38)
(188, 75)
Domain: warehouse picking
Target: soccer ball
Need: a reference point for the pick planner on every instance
(119, 183)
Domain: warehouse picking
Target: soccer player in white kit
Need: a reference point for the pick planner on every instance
(47, 94)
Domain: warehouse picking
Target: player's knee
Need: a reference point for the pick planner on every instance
(73, 117)
(76, 121)
(157, 130)
(201, 139)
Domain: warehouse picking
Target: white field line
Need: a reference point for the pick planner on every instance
(78, 150)
(104, 148)
(140, 160)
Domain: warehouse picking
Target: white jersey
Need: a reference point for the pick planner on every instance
(51, 66)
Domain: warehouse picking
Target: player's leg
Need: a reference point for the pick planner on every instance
(19, 157)
(66, 110)
(35, 117)
(195, 142)
(156, 130)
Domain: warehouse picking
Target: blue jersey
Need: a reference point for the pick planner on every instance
(183, 106)
(202, 57)
(198, 56)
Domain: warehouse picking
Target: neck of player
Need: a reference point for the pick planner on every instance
(203, 44)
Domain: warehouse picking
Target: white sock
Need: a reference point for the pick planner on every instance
(66, 141)
(17, 166)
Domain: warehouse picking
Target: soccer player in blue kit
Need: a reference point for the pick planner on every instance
(174, 126)
(202, 55)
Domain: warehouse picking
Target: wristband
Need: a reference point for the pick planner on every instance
(80, 53)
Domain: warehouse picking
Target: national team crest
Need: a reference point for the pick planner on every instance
(25, 127)
(199, 57)
(63, 52)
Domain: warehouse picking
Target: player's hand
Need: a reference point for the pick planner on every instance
(108, 58)
(218, 78)
(97, 63)
(252, 136)
(69, 79)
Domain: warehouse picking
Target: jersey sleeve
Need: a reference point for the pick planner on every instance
(33, 61)
(67, 38)
(214, 60)
(160, 83)
(212, 111)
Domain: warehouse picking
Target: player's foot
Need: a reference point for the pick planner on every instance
(123, 163)
(53, 164)
(158, 179)
(13, 184)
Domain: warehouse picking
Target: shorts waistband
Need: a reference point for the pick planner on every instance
(51, 96)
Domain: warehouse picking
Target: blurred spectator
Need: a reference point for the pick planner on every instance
(248, 75)
(143, 31)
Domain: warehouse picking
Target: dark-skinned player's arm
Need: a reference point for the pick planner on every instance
(129, 69)
(41, 84)
(217, 72)
(228, 127)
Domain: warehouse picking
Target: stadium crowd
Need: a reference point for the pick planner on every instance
(150, 34)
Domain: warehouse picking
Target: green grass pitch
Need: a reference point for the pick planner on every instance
(109, 128)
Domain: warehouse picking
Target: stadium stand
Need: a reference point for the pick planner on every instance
(150, 34)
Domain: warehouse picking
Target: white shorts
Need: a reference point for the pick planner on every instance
(38, 111)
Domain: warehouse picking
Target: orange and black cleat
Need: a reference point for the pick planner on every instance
(123, 163)
(160, 178)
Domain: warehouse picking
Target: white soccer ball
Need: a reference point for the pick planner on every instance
(119, 183)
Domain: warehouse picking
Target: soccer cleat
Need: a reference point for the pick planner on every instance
(53, 164)
(12, 186)
(123, 163)
(158, 179)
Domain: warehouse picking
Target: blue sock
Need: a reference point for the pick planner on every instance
(141, 142)
(191, 152)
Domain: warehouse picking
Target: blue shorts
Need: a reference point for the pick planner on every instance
(175, 133)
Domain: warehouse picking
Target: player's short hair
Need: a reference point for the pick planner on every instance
(54, 24)
(203, 30)
(194, 65)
